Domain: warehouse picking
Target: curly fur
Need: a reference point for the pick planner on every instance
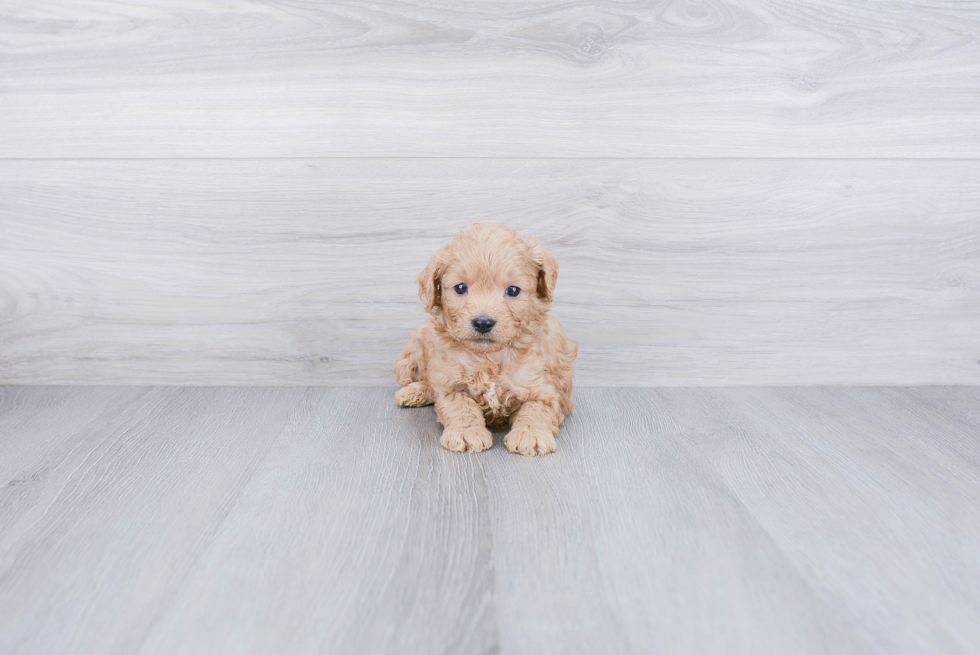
(517, 375)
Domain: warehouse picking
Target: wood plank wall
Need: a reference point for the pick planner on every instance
(243, 192)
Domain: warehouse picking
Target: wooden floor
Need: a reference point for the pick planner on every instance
(285, 520)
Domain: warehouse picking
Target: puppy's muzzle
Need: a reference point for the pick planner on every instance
(483, 324)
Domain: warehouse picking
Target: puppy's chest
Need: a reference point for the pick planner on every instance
(499, 389)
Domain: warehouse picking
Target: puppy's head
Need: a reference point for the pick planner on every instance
(489, 286)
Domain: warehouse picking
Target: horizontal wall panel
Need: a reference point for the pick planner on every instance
(719, 78)
(679, 272)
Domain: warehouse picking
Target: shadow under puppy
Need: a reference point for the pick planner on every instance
(491, 354)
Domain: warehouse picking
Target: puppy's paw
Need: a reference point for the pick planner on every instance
(466, 440)
(533, 440)
(414, 395)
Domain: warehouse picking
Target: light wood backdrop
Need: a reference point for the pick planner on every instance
(243, 192)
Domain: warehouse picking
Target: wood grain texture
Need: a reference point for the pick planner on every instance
(102, 529)
(747, 520)
(357, 535)
(682, 272)
(716, 78)
(823, 470)
(628, 542)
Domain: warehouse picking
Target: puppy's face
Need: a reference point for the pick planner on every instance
(489, 286)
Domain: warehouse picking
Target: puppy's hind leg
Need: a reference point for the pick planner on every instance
(408, 373)
(417, 394)
(408, 366)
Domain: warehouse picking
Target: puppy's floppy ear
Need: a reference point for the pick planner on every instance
(547, 265)
(430, 280)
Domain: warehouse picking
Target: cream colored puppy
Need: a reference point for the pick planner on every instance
(491, 354)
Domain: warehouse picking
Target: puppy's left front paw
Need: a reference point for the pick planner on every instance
(531, 440)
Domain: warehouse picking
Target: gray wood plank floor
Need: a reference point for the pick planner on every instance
(327, 520)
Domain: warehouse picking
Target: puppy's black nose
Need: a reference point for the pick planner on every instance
(483, 324)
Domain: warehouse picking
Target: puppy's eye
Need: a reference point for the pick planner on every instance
(460, 288)
(513, 292)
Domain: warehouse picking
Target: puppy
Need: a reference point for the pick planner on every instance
(491, 354)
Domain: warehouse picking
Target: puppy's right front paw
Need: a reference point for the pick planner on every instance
(466, 440)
